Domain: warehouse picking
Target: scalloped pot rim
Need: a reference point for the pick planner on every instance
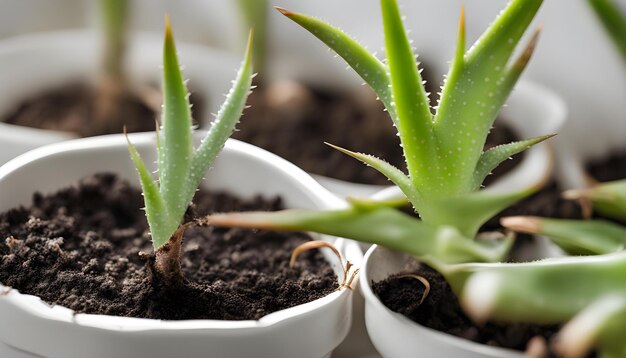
(69, 160)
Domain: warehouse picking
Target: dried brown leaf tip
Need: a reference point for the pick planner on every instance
(349, 271)
(283, 11)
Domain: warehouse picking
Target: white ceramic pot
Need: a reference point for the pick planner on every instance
(394, 335)
(532, 110)
(311, 330)
(32, 64)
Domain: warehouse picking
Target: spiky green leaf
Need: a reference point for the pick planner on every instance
(475, 90)
(161, 224)
(223, 125)
(491, 158)
(392, 173)
(176, 143)
(411, 104)
(370, 68)
(180, 169)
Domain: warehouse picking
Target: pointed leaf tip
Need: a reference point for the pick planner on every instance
(284, 11)
(525, 224)
(168, 26)
(249, 45)
(530, 48)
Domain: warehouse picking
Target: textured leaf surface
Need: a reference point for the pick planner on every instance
(491, 158)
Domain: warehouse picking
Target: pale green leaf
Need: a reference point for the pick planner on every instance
(491, 158)
(392, 173)
(176, 143)
(376, 225)
(411, 104)
(476, 90)
(222, 127)
(470, 211)
(364, 63)
(161, 225)
(576, 237)
(548, 291)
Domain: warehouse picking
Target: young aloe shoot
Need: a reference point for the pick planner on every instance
(180, 167)
(443, 151)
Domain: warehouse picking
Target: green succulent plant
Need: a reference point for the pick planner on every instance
(446, 166)
(443, 151)
(180, 166)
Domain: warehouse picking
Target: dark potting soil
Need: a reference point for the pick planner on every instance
(441, 311)
(293, 120)
(612, 167)
(546, 202)
(71, 108)
(80, 248)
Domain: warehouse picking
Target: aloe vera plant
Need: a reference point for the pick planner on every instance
(180, 167)
(443, 151)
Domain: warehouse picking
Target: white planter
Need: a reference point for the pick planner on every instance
(311, 330)
(32, 64)
(394, 335)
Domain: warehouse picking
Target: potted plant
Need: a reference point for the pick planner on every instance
(446, 166)
(101, 219)
(70, 83)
